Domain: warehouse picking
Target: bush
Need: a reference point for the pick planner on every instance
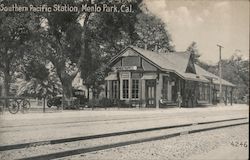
(93, 103)
(122, 103)
(104, 102)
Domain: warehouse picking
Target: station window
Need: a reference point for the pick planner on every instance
(203, 92)
(125, 89)
(135, 88)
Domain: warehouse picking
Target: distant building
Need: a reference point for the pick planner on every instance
(78, 84)
(153, 79)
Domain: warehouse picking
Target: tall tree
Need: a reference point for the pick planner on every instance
(16, 30)
(153, 33)
(62, 40)
(235, 70)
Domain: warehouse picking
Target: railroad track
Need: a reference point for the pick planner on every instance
(117, 119)
(70, 146)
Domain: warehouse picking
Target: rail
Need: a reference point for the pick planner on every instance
(177, 130)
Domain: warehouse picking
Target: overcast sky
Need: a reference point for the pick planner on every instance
(207, 22)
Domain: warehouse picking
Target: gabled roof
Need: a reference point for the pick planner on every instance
(175, 62)
(166, 60)
(215, 78)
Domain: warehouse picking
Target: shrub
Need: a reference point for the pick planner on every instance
(105, 102)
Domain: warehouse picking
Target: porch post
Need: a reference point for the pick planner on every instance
(143, 86)
(159, 86)
(226, 96)
(231, 96)
(184, 96)
(169, 90)
(108, 89)
(179, 85)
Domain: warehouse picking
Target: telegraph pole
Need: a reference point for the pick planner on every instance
(221, 98)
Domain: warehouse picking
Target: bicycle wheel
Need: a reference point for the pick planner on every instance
(25, 104)
(13, 107)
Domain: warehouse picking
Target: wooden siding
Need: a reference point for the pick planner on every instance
(131, 61)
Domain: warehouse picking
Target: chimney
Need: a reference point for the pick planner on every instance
(145, 47)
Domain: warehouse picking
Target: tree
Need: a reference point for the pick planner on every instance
(38, 80)
(61, 40)
(152, 32)
(64, 41)
(235, 70)
(16, 31)
(35, 69)
(71, 41)
(193, 50)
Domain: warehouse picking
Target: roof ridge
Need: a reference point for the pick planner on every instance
(166, 56)
(155, 54)
(214, 76)
(136, 47)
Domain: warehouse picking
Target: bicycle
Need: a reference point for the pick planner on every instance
(14, 104)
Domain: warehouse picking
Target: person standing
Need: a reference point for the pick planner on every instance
(179, 99)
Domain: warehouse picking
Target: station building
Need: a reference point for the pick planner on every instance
(152, 79)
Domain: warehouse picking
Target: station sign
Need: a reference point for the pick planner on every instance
(125, 68)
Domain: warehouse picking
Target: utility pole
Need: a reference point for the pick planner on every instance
(220, 70)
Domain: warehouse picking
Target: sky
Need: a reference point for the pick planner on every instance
(208, 23)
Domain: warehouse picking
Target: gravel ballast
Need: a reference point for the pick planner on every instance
(15, 129)
(192, 146)
(46, 149)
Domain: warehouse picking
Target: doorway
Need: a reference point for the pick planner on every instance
(151, 93)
